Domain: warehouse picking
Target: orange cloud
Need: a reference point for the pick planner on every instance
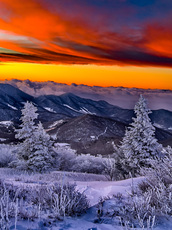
(32, 20)
(29, 18)
(159, 39)
(51, 37)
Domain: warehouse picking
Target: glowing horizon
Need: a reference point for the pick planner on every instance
(106, 75)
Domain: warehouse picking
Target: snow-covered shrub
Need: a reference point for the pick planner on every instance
(66, 200)
(4, 207)
(31, 202)
(68, 160)
(65, 157)
(158, 184)
(148, 202)
(6, 155)
(129, 226)
(133, 211)
(110, 167)
(89, 164)
(137, 211)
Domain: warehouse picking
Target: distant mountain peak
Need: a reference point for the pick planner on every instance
(69, 94)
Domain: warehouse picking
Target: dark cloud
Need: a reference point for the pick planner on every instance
(139, 58)
(46, 56)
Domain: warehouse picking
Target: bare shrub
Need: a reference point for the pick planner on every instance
(110, 168)
(66, 200)
(31, 202)
(4, 208)
(89, 164)
(133, 212)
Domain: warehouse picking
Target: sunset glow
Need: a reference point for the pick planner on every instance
(90, 75)
(108, 43)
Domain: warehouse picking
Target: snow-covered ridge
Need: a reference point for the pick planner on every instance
(56, 123)
(81, 110)
(86, 111)
(6, 123)
(12, 107)
(158, 126)
(52, 126)
(49, 109)
(70, 108)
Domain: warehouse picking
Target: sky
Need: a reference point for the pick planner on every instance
(95, 42)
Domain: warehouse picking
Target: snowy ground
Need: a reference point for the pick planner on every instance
(94, 186)
(94, 190)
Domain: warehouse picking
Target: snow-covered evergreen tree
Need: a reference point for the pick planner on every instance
(35, 151)
(139, 144)
(40, 159)
(25, 133)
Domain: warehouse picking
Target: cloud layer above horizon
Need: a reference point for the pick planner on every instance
(101, 32)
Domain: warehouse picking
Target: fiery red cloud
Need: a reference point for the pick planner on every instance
(86, 32)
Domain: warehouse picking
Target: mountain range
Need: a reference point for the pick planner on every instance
(119, 96)
(74, 119)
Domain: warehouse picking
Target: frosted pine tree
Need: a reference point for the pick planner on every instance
(40, 159)
(25, 133)
(35, 150)
(139, 144)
